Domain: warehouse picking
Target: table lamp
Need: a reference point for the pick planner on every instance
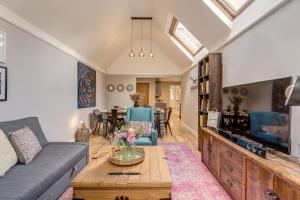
(292, 93)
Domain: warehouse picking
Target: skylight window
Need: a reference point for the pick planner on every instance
(185, 38)
(232, 8)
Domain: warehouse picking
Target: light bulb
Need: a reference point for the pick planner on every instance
(141, 54)
(151, 54)
(131, 54)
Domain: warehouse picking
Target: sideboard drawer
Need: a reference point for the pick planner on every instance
(233, 186)
(232, 155)
(232, 169)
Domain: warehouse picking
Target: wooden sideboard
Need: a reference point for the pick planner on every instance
(247, 176)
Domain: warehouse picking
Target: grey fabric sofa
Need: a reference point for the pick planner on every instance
(51, 171)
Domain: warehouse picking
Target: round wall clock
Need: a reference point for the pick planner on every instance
(110, 87)
(120, 87)
(129, 87)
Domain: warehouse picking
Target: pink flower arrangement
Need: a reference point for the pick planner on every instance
(126, 136)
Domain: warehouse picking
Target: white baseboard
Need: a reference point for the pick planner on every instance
(192, 131)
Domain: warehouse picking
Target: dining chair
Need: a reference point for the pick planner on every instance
(168, 112)
(98, 120)
(113, 120)
(105, 119)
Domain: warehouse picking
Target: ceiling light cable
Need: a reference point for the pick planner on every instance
(151, 54)
(141, 55)
(131, 54)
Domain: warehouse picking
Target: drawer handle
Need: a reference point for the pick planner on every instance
(229, 183)
(229, 153)
(230, 169)
(271, 195)
(121, 198)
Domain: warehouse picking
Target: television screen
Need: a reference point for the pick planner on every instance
(257, 111)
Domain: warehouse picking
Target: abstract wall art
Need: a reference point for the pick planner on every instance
(3, 83)
(86, 86)
(2, 47)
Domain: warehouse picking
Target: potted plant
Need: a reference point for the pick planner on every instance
(136, 98)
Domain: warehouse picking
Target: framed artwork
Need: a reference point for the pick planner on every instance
(86, 86)
(3, 83)
(2, 47)
(120, 87)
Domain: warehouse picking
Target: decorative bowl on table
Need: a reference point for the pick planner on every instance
(124, 157)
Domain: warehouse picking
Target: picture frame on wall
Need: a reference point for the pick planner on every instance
(86, 86)
(2, 47)
(3, 83)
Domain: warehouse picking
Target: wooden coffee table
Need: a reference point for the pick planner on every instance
(153, 182)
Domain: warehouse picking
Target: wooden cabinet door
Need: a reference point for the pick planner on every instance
(258, 181)
(205, 147)
(284, 190)
(214, 155)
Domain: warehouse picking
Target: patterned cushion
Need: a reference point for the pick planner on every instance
(144, 126)
(8, 156)
(25, 144)
(281, 131)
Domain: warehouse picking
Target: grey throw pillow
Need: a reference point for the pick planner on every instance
(25, 144)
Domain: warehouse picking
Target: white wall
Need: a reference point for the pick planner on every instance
(117, 98)
(189, 100)
(42, 82)
(267, 51)
(161, 65)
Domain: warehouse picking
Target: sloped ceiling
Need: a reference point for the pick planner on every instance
(100, 29)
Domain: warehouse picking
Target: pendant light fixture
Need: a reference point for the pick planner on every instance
(131, 54)
(141, 54)
(151, 54)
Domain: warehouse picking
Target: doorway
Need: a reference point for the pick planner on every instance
(175, 97)
(144, 89)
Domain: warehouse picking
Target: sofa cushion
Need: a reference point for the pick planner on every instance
(145, 127)
(32, 180)
(25, 144)
(31, 122)
(8, 156)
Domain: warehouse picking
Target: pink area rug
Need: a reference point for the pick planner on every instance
(191, 179)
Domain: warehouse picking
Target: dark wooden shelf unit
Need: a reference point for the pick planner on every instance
(209, 88)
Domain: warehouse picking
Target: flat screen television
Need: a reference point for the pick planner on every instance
(258, 112)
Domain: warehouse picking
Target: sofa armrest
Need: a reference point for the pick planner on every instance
(154, 136)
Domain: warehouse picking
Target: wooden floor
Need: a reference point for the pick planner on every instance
(180, 135)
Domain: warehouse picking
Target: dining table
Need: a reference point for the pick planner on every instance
(159, 115)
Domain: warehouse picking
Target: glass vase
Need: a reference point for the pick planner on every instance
(127, 152)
